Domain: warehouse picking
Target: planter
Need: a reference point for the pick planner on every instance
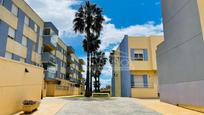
(30, 108)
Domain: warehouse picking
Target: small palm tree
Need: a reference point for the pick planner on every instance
(88, 20)
(99, 61)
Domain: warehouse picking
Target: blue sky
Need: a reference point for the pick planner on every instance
(131, 17)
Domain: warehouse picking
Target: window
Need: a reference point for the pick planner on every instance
(47, 32)
(8, 55)
(35, 28)
(139, 55)
(34, 46)
(39, 47)
(11, 33)
(24, 41)
(26, 21)
(139, 81)
(22, 60)
(14, 10)
(1, 2)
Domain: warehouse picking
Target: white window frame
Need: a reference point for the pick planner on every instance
(26, 21)
(14, 9)
(24, 41)
(22, 60)
(138, 81)
(34, 46)
(11, 33)
(35, 28)
(139, 52)
(8, 55)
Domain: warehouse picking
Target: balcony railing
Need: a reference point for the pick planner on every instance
(50, 41)
(74, 80)
(49, 75)
(81, 68)
(70, 50)
(81, 61)
(48, 58)
(69, 59)
(142, 85)
(70, 70)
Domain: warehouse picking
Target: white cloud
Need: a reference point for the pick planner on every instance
(57, 11)
(112, 35)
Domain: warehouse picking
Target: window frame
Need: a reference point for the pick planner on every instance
(24, 38)
(33, 46)
(139, 53)
(45, 31)
(14, 10)
(26, 20)
(140, 84)
(11, 36)
(10, 55)
(36, 28)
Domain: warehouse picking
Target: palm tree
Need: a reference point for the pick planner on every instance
(99, 61)
(88, 20)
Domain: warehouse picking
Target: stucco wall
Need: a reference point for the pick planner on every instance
(150, 92)
(63, 88)
(16, 85)
(180, 57)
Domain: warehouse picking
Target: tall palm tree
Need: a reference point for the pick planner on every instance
(99, 61)
(88, 20)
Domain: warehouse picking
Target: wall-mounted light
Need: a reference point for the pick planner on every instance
(26, 70)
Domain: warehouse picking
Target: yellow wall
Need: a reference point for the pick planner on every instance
(29, 12)
(63, 89)
(63, 70)
(8, 17)
(151, 92)
(149, 43)
(62, 44)
(117, 73)
(140, 67)
(16, 85)
(145, 67)
(16, 48)
(201, 11)
(59, 55)
(36, 57)
(29, 33)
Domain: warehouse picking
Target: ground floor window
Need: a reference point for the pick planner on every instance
(139, 81)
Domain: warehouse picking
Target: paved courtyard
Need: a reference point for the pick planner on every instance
(109, 106)
(112, 106)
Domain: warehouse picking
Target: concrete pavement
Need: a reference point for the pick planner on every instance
(107, 106)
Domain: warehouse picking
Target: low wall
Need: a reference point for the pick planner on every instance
(144, 92)
(65, 88)
(17, 85)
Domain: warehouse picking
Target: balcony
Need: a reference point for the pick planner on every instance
(70, 70)
(49, 75)
(69, 59)
(70, 50)
(48, 58)
(50, 42)
(80, 75)
(74, 80)
(81, 61)
(81, 68)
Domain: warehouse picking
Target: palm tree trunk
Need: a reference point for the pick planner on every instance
(87, 93)
(91, 74)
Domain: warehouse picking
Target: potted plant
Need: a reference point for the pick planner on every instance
(30, 105)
